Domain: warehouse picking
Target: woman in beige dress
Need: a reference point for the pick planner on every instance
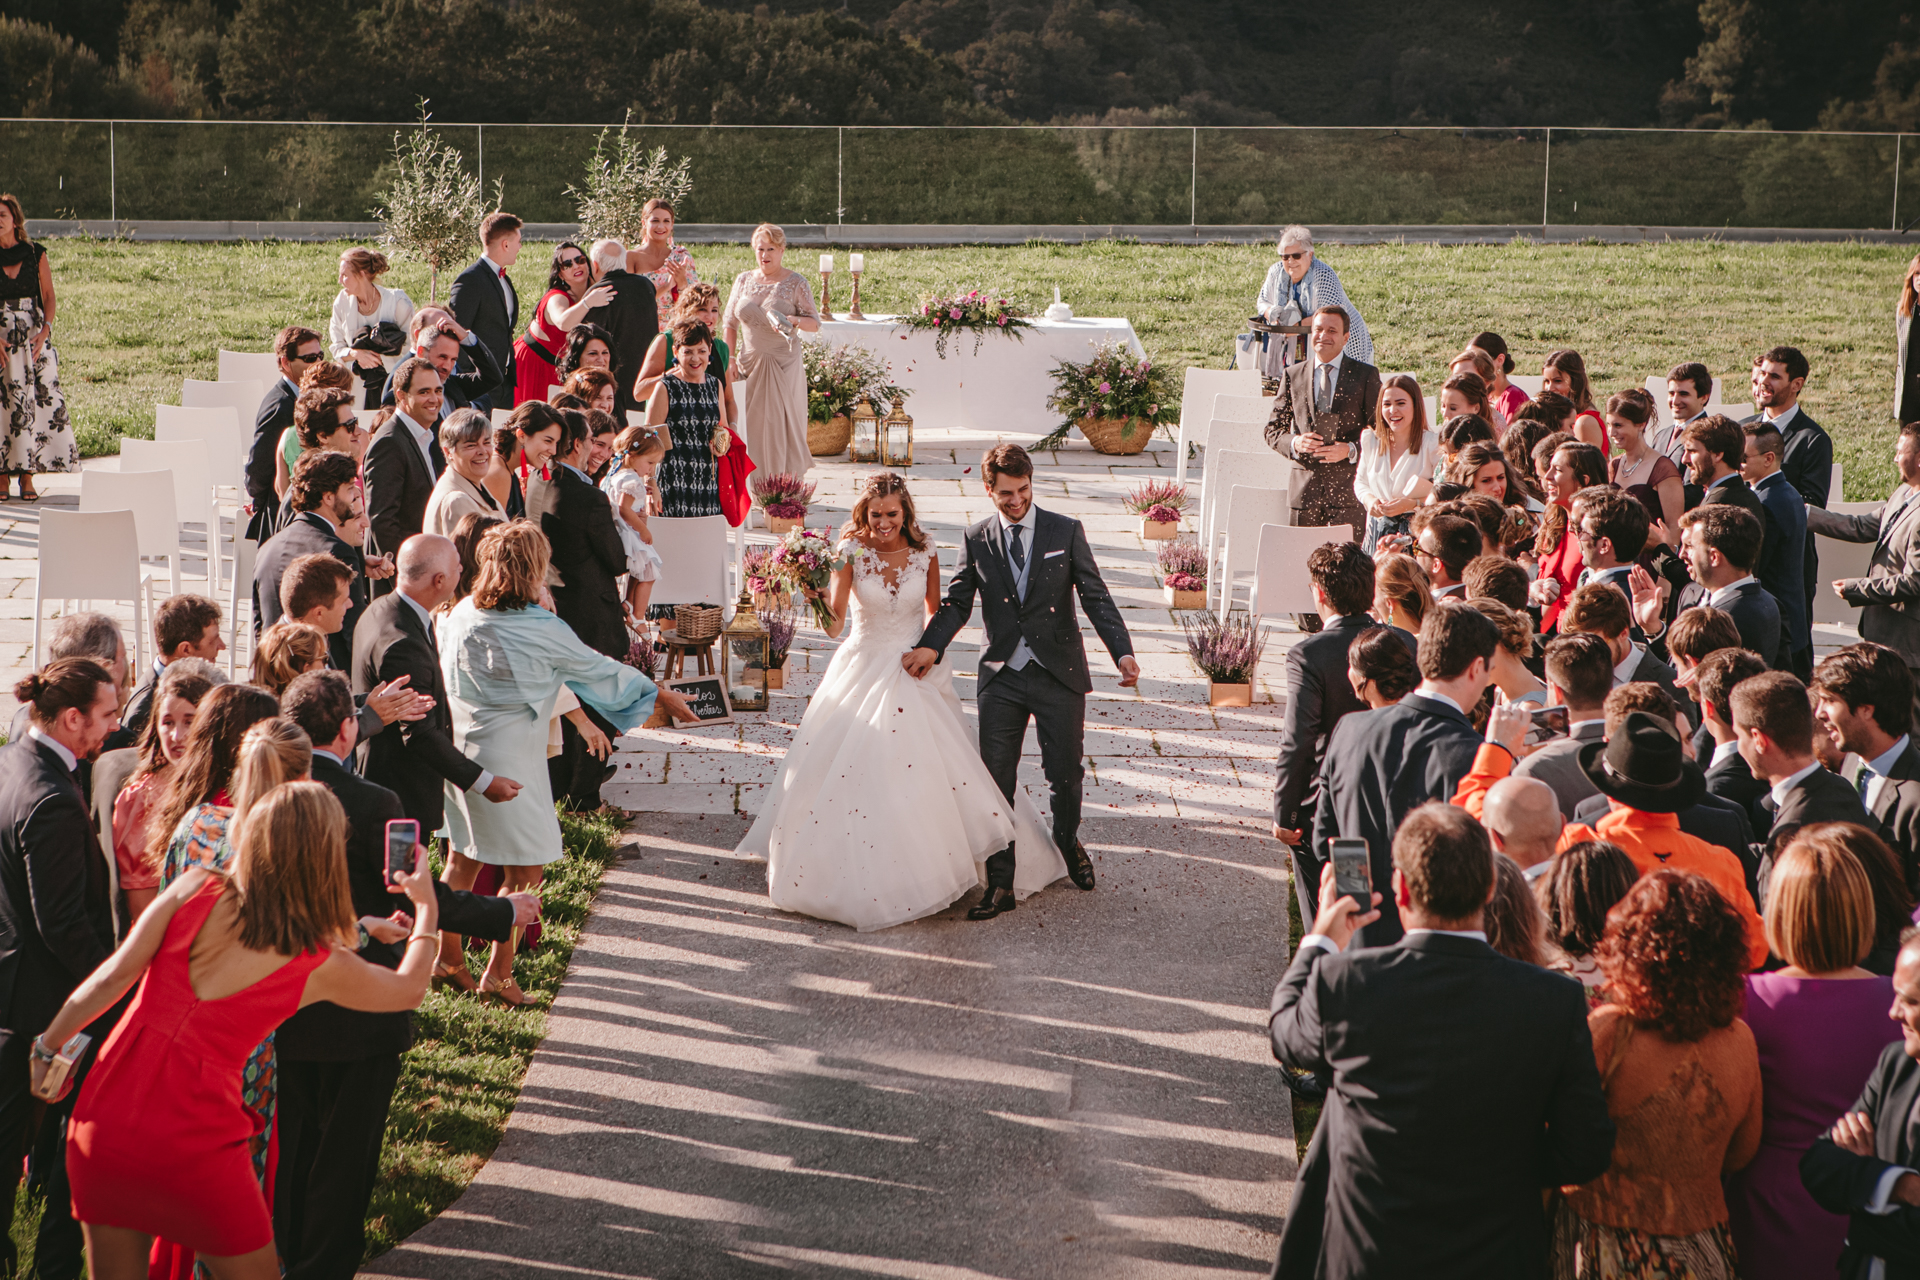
(766, 313)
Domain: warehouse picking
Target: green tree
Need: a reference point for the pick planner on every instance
(619, 182)
(432, 206)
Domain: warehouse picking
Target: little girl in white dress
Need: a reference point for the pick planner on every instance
(636, 453)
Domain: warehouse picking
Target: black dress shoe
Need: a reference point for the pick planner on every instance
(1079, 865)
(1303, 1083)
(994, 902)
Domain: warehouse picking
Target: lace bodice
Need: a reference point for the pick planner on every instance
(883, 614)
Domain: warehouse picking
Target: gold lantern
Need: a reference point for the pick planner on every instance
(866, 432)
(896, 437)
(744, 657)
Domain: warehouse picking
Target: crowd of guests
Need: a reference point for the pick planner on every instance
(1563, 689)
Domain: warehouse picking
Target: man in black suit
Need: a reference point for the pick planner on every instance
(338, 1068)
(587, 554)
(325, 500)
(1318, 697)
(184, 626)
(1600, 609)
(484, 300)
(1381, 766)
(1729, 776)
(1716, 449)
(400, 468)
(1889, 596)
(464, 363)
(1463, 1086)
(1445, 545)
(1720, 543)
(1864, 1166)
(1779, 376)
(297, 349)
(1781, 568)
(1773, 723)
(1613, 531)
(81, 635)
(56, 915)
(1863, 700)
(395, 638)
(1027, 565)
(1324, 404)
(633, 318)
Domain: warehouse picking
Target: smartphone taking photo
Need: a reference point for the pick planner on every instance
(1353, 871)
(1548, 723)
(403, 834)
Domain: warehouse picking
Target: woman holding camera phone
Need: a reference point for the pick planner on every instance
(160, 1138)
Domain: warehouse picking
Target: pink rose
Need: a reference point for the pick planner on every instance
(1001, 321)
(923, 308)
(1105, 387)
(955, 313)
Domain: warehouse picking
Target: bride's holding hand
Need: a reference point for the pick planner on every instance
(883, 539)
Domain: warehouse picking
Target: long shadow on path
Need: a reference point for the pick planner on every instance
(1079, 1089)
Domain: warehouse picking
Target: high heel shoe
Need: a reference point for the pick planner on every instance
(507, 992)
(457, 976)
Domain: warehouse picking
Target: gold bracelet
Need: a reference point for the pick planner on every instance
(422, 937)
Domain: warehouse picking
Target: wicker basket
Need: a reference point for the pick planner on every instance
(824, 439)
(1123, 436)
(693, 623)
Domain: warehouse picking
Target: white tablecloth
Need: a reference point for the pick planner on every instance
(1004, 389)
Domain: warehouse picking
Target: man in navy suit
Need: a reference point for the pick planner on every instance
(1779, 376)
(483, 300)
(296, 349)
(1782, 564)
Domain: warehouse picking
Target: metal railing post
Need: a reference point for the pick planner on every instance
(1193, 211)
(1546, 179)
(840, 182)
(480, 153)
(113, 178)
(1898, 138)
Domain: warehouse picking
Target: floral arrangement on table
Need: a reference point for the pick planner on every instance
(840, 376)
(805, 559)
(782, 495)
(781, 626)
(1226, 650)
(1183, 568)
(1114, 387)
(975, 312)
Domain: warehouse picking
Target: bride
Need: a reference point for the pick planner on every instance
(883, 811)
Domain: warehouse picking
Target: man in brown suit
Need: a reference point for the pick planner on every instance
(1325, 403)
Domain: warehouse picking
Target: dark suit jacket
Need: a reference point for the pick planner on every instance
(1652, 670)
(275, 416)
(1463, 1085)
(1379, 767)
(478, 303)
(325, 1032)
(1889, 596)
(474, 372)
(414, 759)
(1821, 796)
(399, 482)
(1733, 491)
(1061, 565)
(1755, 614)
(56, 909)
(139, 709)
(1782, 564)
(1734, 782)
(1326, 496)
(1897, 809)
(1841, 1182)
(633, 318)
(1318, 695)
(587, 554)
(309, 534)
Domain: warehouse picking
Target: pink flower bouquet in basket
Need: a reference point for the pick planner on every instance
(806, 559)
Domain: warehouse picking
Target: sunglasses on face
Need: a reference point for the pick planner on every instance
(1292, 257)
(568, 264)
(307, 357)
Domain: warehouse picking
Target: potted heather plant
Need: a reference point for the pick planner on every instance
(1183, 569)
(784, 497)
(762, 581)
(1159, 504)
(1227, 651)
(780, 625)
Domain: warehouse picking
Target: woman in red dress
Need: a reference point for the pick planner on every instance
(159, 1141)
(1572, 467)
(537, 356)
(1565, 373)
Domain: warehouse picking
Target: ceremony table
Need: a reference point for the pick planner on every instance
(1002, 389)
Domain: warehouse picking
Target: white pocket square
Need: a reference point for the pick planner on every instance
(1051, 554)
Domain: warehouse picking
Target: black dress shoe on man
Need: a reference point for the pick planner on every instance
(1079, 865)
(994, 902)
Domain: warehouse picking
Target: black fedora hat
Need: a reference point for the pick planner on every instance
(1643, 765)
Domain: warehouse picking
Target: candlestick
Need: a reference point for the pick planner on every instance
(856, 262)
(855, 314)
(826, 286)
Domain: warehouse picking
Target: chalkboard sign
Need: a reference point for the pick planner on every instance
(707, 698)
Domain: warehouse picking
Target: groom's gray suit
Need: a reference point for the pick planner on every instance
(1035, 662)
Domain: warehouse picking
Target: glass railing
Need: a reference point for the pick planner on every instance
(1020, 175)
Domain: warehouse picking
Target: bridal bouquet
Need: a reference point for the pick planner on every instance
(973, 311)
(805, 558)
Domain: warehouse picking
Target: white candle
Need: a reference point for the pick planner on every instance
(1056, 293)
(826, 262)
(856, 262)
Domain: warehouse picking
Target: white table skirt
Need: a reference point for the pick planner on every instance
(1004, 389)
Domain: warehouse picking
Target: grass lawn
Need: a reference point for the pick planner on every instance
(137, 318)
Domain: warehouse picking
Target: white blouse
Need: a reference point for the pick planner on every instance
(1376, 481)
(348, 324)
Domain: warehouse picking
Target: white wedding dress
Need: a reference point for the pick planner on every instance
(883, 811)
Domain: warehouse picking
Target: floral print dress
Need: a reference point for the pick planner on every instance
(38, 436)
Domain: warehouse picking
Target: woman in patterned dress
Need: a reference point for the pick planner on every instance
(767, 310)
(39, 437)
(687, 410)
(660, 260)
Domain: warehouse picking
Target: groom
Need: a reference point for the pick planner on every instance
(1026, 564)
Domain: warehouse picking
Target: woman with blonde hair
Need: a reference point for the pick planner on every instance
(505, 659)
(1636, 465)
(361, 307)
(1820, 1024)
(1402, 592)
(161, 1132)
(771, 306)
(285, 650)
(659, 259)
(1396, 459)
(883, 811)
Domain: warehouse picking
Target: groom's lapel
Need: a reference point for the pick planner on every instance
(996, 557)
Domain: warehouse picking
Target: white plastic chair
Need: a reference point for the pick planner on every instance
(240, 592)
(1197, 406)
(249, 366)
(88, 556)
(1841, 560)
(1834, 492)
(499, 417)
(219, 426)
(1231, 437)
(693, 559)
(1248, 508)
(1433, 408)
(1527, 382)
(1259, 468)
(192, 487)
(149, 495)
(1281, 585)
(243, 397)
